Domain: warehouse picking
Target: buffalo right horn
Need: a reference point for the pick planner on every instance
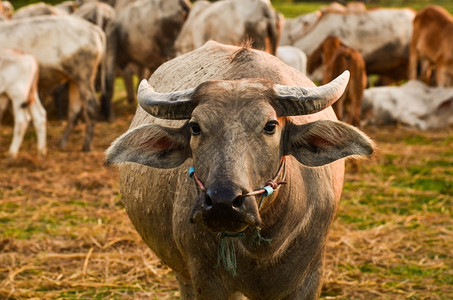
(173, 105)
(295, 100)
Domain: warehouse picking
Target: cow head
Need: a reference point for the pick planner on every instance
(236, 134)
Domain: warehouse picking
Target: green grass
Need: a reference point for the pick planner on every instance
(292, 10)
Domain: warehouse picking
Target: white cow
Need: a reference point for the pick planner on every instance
(293, 57)
(68, 49)
(6, 10)
(413, 104)
(37, 9)
(382, 36)
(19, 83)
(230, 22)
(98, 13)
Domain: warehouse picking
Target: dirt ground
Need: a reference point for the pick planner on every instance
(64, 233)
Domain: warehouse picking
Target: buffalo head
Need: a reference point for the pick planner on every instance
(237, 133)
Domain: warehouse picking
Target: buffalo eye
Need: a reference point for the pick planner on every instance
(270, 126)
(194, 128)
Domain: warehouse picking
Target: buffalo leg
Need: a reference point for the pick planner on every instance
(185, 287)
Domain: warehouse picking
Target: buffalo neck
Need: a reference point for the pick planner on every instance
(288, 216)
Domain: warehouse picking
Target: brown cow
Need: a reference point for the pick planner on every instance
(337, 57)
(431, 46)
(239, 116)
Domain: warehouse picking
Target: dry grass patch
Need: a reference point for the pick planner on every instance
(64, 233)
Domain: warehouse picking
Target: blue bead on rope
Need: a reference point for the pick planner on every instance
(268, 190)
(191, 171)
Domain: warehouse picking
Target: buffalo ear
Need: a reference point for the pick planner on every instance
(322, 142)
(151, 145)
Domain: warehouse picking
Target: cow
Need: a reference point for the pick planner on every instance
(413, 104)
(19, 83)
(6, 10)
(142, 34)
(231, 22)
(381, 35)
(119, 5)
(336, 57)
(431, 44)
(295, 28)
(68, 49)
(221, 122)
(36, 9)
(98, 13)
(109, 2)
(66, 7)
(293, 57)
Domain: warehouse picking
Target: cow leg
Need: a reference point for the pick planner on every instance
(21, 120)
(89, 114)
(355, 104)
(413, 60)
(355, 111)
(75, 107)
(38, 114)
(3, 105)
(128, 76)
(441, 75)
(426, 71)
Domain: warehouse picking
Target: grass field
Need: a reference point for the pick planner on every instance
(64, 233)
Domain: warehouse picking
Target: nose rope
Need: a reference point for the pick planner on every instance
(197, 180)
(226, 251)
(270, 186)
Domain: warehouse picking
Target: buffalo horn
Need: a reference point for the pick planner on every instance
(294, 100)
(174, 105)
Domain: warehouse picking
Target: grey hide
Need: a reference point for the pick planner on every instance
(235, 139)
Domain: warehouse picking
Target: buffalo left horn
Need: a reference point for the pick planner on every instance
(174, 105)
(295, 100)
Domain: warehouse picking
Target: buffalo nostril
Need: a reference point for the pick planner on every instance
(208, 201)
(237, 203)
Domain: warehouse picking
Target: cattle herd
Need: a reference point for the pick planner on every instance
(388, 46)
(231, 98)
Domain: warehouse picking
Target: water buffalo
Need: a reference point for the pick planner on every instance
(235, 118)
